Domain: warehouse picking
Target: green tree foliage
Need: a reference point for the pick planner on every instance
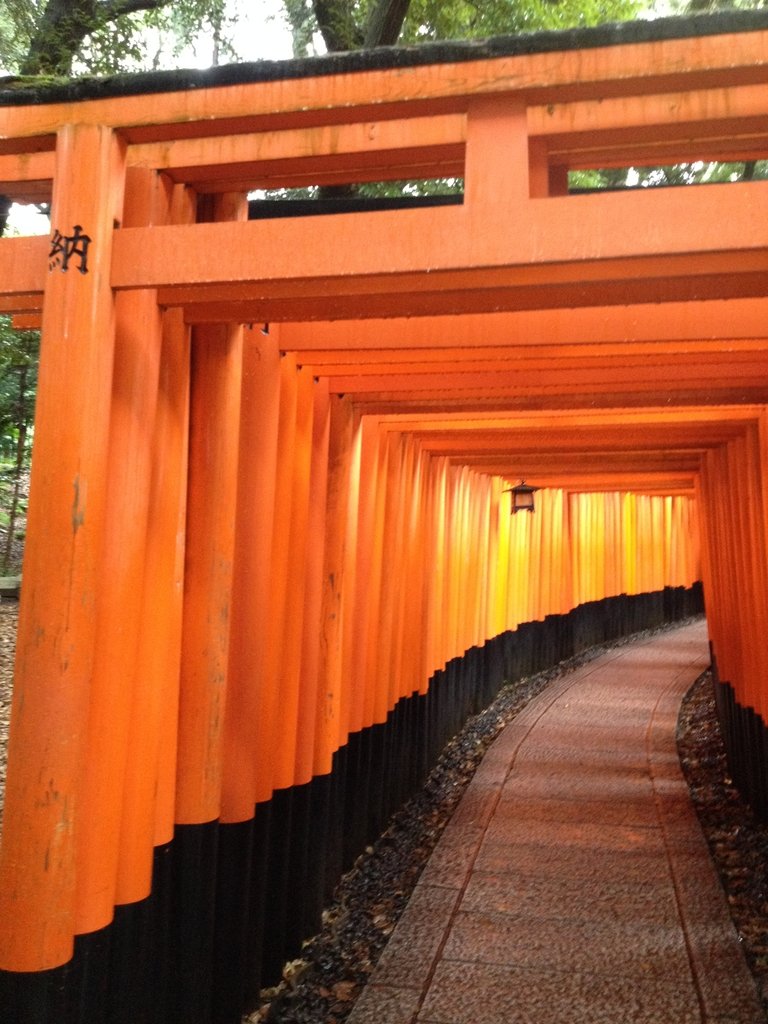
(61, 37)
(460, 19)
(18, 384)
(355, 24)
(700, 172)
(17, 25)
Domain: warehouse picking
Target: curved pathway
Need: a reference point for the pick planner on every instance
(573, 884)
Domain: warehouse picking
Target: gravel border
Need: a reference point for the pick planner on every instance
(9, 611)
(738, 841)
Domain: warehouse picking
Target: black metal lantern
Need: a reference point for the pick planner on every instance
(522, 497)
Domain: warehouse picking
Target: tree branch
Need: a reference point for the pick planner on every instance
(340, 30)
(337, 25)
(385, 22)
(66, 23)
(115, 8)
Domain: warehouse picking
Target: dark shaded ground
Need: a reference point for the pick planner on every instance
(737, 841)
(322, 986)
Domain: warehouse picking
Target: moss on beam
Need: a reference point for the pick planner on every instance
(34, 90)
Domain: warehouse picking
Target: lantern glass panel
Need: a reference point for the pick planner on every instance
(523, 500)
(522, 497)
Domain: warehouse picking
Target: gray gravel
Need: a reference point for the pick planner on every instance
(738, 842)
(8, 615)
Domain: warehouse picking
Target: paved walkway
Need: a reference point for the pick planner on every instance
(573, 884)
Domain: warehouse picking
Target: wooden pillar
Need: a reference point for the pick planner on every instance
(295, 569)
(466, 579)
(329, 686)
(453, 526)
(62, 567)
(275, 718)
(423, 526)
(484, 560)
(759, 558)
(472, 540)
(546, 179)
(370, 592)
(486, 551)
(497, 189)
(214, 416)
(351, 570)
(212, 492)
(386, 669)
(160, 641)
(416, 648)
(520, 592)
(150, 784)
(405, 653)
(365, 558)
(629, 543)
(440, 586)
(249, 715)
(119, 603)
(307, 731)
(745, 502)
(501, 558)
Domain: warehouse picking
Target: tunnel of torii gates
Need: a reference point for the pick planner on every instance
(270, 563)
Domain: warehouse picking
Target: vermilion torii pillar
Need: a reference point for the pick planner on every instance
(58, 624)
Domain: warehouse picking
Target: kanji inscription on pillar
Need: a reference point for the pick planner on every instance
(68, 247)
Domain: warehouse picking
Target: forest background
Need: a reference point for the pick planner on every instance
(44, 40)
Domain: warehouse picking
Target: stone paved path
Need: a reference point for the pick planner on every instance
(573, 884)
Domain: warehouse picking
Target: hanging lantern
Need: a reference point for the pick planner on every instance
(522, 497)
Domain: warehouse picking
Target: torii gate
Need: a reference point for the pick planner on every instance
(267, 514)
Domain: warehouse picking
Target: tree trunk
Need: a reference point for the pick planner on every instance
(385, 22)
(337, 25)
(5, 208)
(341, 32)
(18, 467)
(66, 23)
(62, 28)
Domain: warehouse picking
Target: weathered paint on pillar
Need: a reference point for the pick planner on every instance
(249, 716)
(328, 735)
(62, 569)
(295, 569)
(119, 605)
(149, 794)
(274, 721)
(307, 741)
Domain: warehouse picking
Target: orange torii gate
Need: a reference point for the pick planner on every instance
(269, 554)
